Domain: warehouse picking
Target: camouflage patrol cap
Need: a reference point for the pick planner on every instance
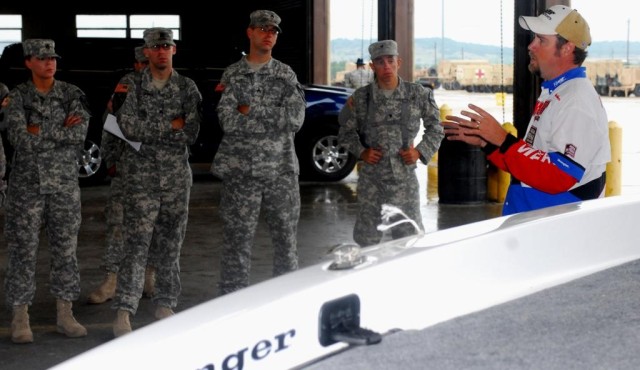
(40, 48)
(157, 36)
(265, 18)
(139, 54)
(384, 47)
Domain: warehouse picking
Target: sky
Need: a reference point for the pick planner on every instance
(478, 21)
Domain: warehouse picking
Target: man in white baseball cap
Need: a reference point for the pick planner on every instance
(562, 156)
(560, 20)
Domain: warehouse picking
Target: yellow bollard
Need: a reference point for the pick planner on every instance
(492, 182)
(500, 99)
(504, 178)
(614, 168)
(432, 166)
(432, 178)
(445, 111)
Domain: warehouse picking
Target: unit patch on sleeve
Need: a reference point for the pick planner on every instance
(570, 150)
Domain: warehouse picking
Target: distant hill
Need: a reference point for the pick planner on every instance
(427, 49)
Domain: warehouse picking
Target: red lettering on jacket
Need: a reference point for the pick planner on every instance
(534, 154)
(539, 109)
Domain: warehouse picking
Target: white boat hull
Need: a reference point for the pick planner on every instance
(412, 283)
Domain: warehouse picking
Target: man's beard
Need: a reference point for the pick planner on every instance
(534, 68)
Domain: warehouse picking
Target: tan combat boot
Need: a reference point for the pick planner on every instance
(163, 312)
(122, 325)
(106, 290)
(66, 324)
(20, 329)
(149, 282)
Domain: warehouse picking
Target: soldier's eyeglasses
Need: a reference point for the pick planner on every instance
(273, 31)
(161, 46)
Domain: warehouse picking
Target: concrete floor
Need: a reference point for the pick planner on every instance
(327, 218)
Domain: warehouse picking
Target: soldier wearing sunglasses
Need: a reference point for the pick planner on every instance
(261, 108)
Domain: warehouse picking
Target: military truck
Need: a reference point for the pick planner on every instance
(470, 75)
(611, 77)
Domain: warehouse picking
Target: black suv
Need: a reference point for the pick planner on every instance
(321, 157)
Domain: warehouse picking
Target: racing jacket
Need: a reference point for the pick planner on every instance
(563, 155)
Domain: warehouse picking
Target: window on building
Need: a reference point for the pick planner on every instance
(139, 23)
(102, 26)
(10, 30)
(123, 26)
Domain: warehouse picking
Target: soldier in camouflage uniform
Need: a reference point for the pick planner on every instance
(360, 77)
(4, 100)
(261, 109)
(380, 129)
(4, 92)
(47, 124)
(4, 95)
(112, 147)
(162, 111)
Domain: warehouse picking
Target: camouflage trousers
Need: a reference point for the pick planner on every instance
(373, 192)
(159, 215)
(240, 205)
(25, 214)
(114, 239)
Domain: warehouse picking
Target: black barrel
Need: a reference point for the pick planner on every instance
(462, 173)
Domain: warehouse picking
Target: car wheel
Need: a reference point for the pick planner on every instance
(325, 159)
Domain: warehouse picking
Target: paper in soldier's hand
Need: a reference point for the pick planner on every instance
(111, 125)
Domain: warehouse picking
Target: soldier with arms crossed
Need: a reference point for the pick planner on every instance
(162, 110)
(261, 109)
(47, 124)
